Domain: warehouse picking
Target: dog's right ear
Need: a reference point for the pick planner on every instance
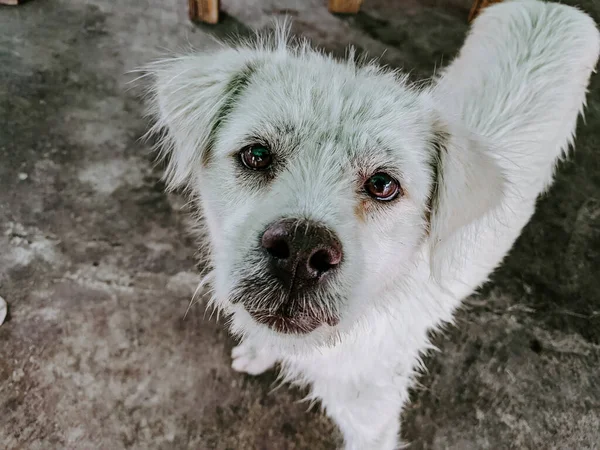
(189, 98)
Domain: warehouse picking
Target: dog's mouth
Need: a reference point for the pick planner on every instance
(288, 311)
(298, 322)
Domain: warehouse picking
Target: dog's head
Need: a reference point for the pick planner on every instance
(321, 183)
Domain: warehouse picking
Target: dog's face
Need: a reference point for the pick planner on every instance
(315, 179)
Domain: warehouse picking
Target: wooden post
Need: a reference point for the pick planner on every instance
(204, 10)
(478, 5)
(345, 6)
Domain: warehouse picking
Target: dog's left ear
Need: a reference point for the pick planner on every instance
(468, 184)
(189, 98)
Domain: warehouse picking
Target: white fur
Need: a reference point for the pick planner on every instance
(504, 112)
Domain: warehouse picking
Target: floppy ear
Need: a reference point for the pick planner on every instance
(468, 184)
(189, 98)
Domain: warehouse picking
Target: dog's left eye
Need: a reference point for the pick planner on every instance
(382, 186)
(256, 157)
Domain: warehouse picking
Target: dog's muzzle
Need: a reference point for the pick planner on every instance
(301, 255)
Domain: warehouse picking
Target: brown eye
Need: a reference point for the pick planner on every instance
(256, 157)
(382, 187)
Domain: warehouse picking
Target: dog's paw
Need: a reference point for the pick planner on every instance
(250, 360)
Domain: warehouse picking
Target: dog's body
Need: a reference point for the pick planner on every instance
(471, 154)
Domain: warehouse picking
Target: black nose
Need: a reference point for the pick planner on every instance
(301, 252)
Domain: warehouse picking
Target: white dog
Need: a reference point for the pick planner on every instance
(347, 213)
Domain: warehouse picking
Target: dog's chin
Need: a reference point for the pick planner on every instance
(298, 323)
(269, 304)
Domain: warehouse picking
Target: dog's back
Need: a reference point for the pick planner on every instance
(518, 84)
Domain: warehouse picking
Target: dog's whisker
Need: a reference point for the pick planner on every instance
(206, 279)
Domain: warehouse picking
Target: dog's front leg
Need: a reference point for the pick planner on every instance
(367, 415)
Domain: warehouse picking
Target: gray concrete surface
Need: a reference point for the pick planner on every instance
(97, 267)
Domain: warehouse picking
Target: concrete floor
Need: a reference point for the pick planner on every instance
(98, 270)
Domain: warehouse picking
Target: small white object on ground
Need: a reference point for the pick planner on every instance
(3, 310)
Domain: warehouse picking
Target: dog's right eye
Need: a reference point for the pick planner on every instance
(256, 157)
(382, 187)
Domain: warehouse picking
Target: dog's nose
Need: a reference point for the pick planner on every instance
(301, 251)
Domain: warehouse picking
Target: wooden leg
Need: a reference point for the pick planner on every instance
(344, 6)
(478, 5)
(204, 10)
